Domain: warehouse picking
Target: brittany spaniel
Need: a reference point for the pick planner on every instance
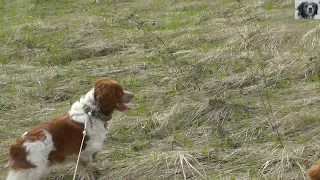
(56, 140)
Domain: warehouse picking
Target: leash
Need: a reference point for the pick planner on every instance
(84, 135)
(91, 112)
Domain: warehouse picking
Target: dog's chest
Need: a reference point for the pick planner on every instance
(96, 137)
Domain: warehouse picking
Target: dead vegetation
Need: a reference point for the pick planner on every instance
(224, 89)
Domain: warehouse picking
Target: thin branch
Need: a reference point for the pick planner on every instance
(267, 105)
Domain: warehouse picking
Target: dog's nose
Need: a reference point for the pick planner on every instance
(131, 95)
(310, 10)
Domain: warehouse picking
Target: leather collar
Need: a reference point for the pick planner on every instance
(94, 113)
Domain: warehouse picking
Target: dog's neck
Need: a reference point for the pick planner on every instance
(77, 112)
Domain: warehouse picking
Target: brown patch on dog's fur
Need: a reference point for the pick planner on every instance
(18, 152)
(66, 136)
(314, 171)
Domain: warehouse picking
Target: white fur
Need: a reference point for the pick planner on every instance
(38, 152)
(77, 112)
(29, 174)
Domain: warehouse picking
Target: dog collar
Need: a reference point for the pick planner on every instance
(94, 113)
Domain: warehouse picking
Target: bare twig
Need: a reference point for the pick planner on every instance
(267, 105)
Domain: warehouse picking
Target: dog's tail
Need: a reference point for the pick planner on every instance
(314, 171)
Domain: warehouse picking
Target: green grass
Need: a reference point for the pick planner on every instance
(176, 56)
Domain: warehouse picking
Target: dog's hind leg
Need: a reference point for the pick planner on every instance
(36, 173)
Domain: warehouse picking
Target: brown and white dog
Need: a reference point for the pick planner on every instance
(54, 141)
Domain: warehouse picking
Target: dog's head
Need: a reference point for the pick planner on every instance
(307, 9)
(110, 96)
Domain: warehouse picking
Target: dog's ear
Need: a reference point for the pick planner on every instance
(107, 95)
(316, 9)
(300, 8)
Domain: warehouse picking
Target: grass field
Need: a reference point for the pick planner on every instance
(225, 89)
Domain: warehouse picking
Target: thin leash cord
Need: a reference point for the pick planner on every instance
(84, 135)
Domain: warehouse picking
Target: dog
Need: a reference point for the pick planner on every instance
(314, 171)
(307, 10)
(55, 141)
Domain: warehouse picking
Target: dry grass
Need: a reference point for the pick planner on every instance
(217, 83)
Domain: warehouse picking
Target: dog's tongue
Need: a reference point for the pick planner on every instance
(123, 107)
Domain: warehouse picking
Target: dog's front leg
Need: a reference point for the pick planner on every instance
(89, 171)
(85, 169)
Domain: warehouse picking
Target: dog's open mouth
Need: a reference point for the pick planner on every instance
(123, 107)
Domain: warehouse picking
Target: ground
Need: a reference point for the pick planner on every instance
(225, 89)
